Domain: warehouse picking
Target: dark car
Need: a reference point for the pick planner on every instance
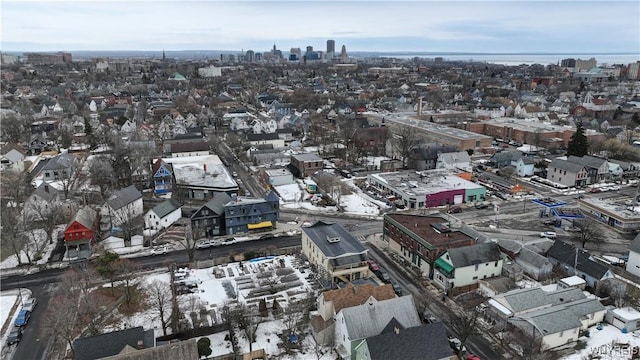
(14, 336)
(397, 289)
(455, 210)
(23, 318)
(481, 206)
(384, 276)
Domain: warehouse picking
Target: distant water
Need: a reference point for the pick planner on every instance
(528, 59)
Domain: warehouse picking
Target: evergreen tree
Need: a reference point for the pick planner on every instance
(578, 144)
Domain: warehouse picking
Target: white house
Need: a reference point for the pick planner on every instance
(524, 166)
(12, 160)
(123, 206)
(555, 318)
(162, 215)
(464, 266)
(353, 324)
(277, 177)
(633, 264)
(456, 160)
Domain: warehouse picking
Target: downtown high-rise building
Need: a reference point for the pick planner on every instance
(331, 48)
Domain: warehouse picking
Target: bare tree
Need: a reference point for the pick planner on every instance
(249, 321)
(529, 344)
(101, 173)
(70, 177)
(127, 272)
(405, 141)
(465, 324)
(159, 299)
(127, 219)
(47, 215)
(12, 233)
(188, 242)
(14, 128)
(589, 231)
(16, 185)
(293, 315)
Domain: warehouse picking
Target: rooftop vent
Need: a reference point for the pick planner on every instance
(333, 240)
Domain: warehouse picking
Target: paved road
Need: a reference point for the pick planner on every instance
(34, 344)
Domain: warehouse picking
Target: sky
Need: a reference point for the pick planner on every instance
(512, 26)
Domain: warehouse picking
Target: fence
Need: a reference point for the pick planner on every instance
(291, 250)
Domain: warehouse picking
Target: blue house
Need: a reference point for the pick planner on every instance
(243, 214)
(162, 177)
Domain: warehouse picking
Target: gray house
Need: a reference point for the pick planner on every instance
(597, 168)
(567, 173)
(578, 262)
(533, 264)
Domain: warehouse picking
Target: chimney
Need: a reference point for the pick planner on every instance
(140, 345)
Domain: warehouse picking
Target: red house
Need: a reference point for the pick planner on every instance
(81, 231)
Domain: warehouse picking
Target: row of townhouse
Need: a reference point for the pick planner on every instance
(582, 171)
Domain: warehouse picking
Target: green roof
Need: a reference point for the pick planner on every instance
(441, 264)
(166, 207)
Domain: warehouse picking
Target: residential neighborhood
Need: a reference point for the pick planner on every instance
(256, 205)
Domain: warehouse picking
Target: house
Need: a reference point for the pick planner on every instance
(162, 177)
(567, 173)
(626, 319)
(504, 158)
(331, 302)
(354, 324)
(633, 264)
(597, 168)
(276, 177)
(533, 264)
(81, 232)
(59, 168)
(189, 149)
(425, 156)
(372, 140)
(629, 170)
(525, 166)
(305, 165)
(163, 215)
(12, 159)
(615, 171)
(45, 198)
(334, 252)
(420, 239)
(458, 270)
(209, 218)
(200, 177)
(554, 318)
(113, 343)
(123, 206)
(261, 139)
(459, 161)
(424, 342)
(578, 262)
(242, 214)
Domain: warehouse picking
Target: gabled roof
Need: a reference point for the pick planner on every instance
(425, 342)
(272, 197)
(565, 253)
(262, 137)
(345, 245)
(62, 161)
(455, 157)
(46, 192)
(369, 319)
(166, 207)
(124, 197)
(216, 204)
(531, 257)
(588, 161)
(86, 216)
(156, 166)
(563, 316)
(522, 300)
(566, 165)
(635, 244)
(475, 254)
(354, 295)
(110, 344)
(505, 156)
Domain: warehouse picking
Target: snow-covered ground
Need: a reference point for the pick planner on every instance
(6, 303)
(236, 283)
(37, 240)
(609, 344)
(292, 196)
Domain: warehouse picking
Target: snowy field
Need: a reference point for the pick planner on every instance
(6, 303)
(232, 285)
(609, 344)
(292, 196)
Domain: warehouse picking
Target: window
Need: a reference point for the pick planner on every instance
(477, 265)
(475, 278)
(495, 264)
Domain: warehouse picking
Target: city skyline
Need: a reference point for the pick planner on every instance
(410, 26)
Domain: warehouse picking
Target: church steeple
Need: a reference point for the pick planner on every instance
(164, 57)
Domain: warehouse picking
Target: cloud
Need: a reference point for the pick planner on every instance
(364, 25)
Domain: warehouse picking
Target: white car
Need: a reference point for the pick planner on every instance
(229, 241)
(160, 250)
(30, 304)
(207, 244)
(549, 234)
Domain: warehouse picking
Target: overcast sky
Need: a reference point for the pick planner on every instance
(426, 26)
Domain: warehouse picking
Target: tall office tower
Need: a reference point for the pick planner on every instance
(343, 52)
(570, 63)
(309, 49)
(250, 56)
(331, 48)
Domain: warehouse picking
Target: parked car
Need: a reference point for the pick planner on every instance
(455, 210)
(595, 190)
(549, 234)
(160, 250)
(30, 304)
(384, 276)
(373, 266)
(397, 289)
(23, 318)
(207, 244)
(14, 336)
(578, 196)
(481, 206)
(549, 221)
(456, 345)
(229, 241)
